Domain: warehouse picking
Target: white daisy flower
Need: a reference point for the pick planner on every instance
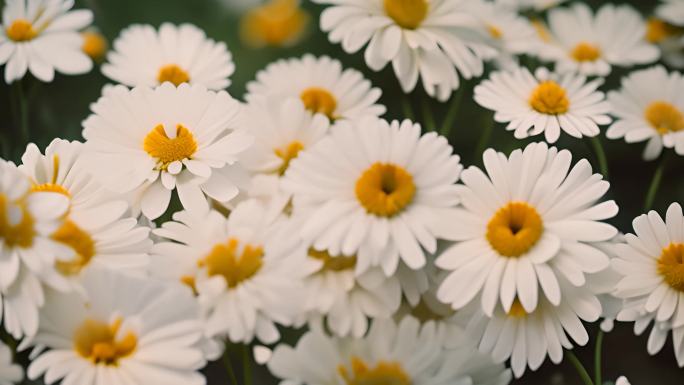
(281, 130)
(321, 84)
(591, 44)
(671, 11)
(650, 106)
(42, 36)
(431, 39)
(128, 331)
(10, 373)
(669, 38)
(651, 265)
(375, 189)
(99, 232)
(523, 5)
(27, 254)
(180, 54)
(622, 380)
(545, 102)
(528, 337)
(166, 139)
(247, 281)
(530, 221)
(403, 353)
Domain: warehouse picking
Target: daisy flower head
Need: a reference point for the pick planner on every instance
(669, 38)
(650, 106)
(377, 190)
(276, 23)
(97, 231)
(528, 221)
(321, 84)
(27, 254)
(143, 56)
(435, 40)
(127, 330)
(10, 373)
(246, 279)
(544, 103)
(95, 45)
(43, 37)
(591, 44)
(402, 353)
(168, 138)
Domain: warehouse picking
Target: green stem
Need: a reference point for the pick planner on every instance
(600, 155)
(428, 119)
(246, 365)
(485, 135)
(452, 112)
(229, 366)
(598, 350)
(580, 368)
(655, 182)
(22, 113)
(407, 108)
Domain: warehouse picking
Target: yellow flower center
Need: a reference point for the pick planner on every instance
(333, 263)
(384, 373)
(319, 100)
(275, 23)
(15, 233)
(288, 153)
(385, 189)
(236, 266)
(549, 98)
(671, 265)
(517, 310)
(494, 31)
(94, 45)
(21, 30)
(82, 244)
(514, 229)
(664, 117)
(168, 150)
(52, 186)
(97, 342)
(174, 74)
(407, 14)
(585, 52)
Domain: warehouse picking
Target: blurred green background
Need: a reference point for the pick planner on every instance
(58, 108)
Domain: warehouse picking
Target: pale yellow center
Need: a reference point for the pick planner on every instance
(275, 23)
(233, 264)
(385, 189)
(549, 98)
(671, 265)
(494, 31)
(517, 310)
(94, 45)
(333, 263)
(167, 150)
(664, 117)
(21, 30)
(514, 229)
(383, 373)
(584, 52)
(82, 244)
(319, 100)
(16, 234)
(408, 14)
(174, 74)
(288, 153)
(97, 342)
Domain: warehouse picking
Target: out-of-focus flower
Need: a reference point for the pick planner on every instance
(375, 189)
(126, 330)
(180, 54)
(622, 380)
(95, 228)
(94, 44)
(42, 37)
(321, 84)
(435, 40)
(670, 39)
(672, 11)
(168, 138)
(400, 353)
(27, 253)
(650, 106)
(528, 228)
(10, 373)
(243, 275)
(544, 103)
(277, 23)
(591, 44)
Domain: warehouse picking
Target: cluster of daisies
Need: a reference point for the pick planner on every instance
(187, 220)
